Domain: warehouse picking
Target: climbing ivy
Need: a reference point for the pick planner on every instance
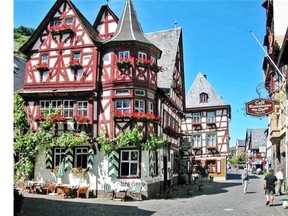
(128, 138)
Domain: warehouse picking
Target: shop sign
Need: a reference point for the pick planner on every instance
(259, 107)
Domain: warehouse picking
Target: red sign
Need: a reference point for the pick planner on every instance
(259, 107)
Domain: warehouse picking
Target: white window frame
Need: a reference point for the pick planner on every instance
(122, 105)
(142, 55)
(57, 22)
(44, 106)
(196, 140)
(70, 21)
(196, 117)
(130, 161)
(153, 59)
(154, 164)
(139, 105)
(76, 56)
(44, 58)
(59, 153)
(82, 153)
(151, 107)
(122, 92)
(56, 105)
(82, 108)
(68, 110)
(123, 54)
(211, 116)
(139, 92)
(211, 139)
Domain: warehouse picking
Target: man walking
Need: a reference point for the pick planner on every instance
(270, 182)
(279, 176)
(245, 178)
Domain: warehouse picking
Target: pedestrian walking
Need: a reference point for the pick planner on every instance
(245, 179)
(270, 182)
(279, 176)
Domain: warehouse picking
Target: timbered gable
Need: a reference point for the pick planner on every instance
(63, 50)
(105, 23)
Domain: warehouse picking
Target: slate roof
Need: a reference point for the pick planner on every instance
(47, 19)
(129, 28)
(19, 72)
(169, 53)
(199, 86)
(257, 137)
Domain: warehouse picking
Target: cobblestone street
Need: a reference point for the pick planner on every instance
(217, 198)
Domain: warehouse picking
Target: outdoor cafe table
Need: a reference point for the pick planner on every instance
(35, 186)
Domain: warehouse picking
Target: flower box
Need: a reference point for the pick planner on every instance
(74, 65)
(136, 116)
(39, 118)
(143, 62)
(41, 67)
(57, 118)
(80, 119)
(124, 62)
(61, 29)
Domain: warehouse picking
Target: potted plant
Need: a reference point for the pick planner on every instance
(64, 28)
(39, 118)
(80, 119)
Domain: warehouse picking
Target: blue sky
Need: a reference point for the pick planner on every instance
(216, 39)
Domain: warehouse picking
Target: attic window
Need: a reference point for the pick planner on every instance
(203, 98)
(142, 55)
(57, 22)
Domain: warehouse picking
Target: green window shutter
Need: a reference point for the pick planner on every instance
(69, 159)
(113, 164)
(49, 158)
(90, 159)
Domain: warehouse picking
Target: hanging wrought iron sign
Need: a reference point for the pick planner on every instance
(259, 107)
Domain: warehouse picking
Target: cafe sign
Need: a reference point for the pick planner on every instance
(259, 107)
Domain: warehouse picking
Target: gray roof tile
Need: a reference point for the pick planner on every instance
(167, 41)
(19, 72)
(199, 86)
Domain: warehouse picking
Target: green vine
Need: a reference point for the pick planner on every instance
(69, 140)
(128, 138)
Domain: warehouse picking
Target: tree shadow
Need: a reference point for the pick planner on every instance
(48, 207)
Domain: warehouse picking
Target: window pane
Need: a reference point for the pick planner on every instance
(125, 155)
(134, 168)
(124, 169)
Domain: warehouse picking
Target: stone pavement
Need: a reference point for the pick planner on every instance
(217, 199)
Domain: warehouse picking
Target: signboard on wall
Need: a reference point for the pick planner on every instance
(259, 107)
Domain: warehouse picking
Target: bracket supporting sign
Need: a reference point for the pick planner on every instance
(259, 107)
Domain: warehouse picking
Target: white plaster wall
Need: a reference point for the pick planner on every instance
(280, 18)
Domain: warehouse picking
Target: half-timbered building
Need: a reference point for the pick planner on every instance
(206, 129)
(79, 69)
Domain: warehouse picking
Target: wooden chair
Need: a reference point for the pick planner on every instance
(136, 194)
(83, 190)
(108, 191)
(49, 187)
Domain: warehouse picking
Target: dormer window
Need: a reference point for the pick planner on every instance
(203, 97)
